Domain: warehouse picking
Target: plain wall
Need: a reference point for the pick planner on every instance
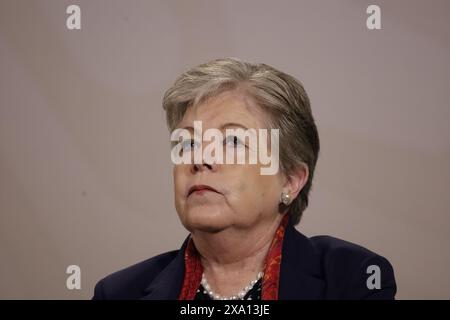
(85, 170)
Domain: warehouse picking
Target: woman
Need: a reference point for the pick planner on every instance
(242, 242)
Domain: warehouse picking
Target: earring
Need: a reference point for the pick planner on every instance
(285, 198)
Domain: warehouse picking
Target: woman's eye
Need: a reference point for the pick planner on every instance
(188, 145)
(234, 141)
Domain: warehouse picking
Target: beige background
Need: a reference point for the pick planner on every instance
(85, 171)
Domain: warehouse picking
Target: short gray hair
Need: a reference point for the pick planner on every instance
(280, 95)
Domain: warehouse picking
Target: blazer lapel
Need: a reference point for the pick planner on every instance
(167, 284)
(300, 271)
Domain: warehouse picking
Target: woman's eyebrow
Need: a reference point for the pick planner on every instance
(190, 128)
(233, 124)
(223, 126)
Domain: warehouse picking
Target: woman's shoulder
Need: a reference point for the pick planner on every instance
(354, 268)
(331, 246)
(130, 282)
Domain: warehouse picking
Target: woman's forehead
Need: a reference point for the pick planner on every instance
(228, 109)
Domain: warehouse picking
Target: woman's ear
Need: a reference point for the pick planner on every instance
(296, 180)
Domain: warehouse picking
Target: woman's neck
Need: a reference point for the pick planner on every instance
(232, 258)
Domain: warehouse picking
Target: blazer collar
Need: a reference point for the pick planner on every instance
(300, 276)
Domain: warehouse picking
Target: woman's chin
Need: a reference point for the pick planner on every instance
(206, 221)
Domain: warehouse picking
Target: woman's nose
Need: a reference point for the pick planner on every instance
(204, 163)
(200, 167)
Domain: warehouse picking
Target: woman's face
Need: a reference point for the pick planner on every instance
(244, 197)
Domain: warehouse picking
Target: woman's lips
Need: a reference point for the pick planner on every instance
(200, 189)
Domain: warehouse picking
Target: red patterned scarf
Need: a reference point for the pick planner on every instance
(270, 282)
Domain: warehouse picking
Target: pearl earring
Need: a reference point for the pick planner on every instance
(285, 198)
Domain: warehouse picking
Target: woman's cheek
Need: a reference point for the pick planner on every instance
(243, 196)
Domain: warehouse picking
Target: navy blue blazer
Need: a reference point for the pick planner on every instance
(321, 267)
